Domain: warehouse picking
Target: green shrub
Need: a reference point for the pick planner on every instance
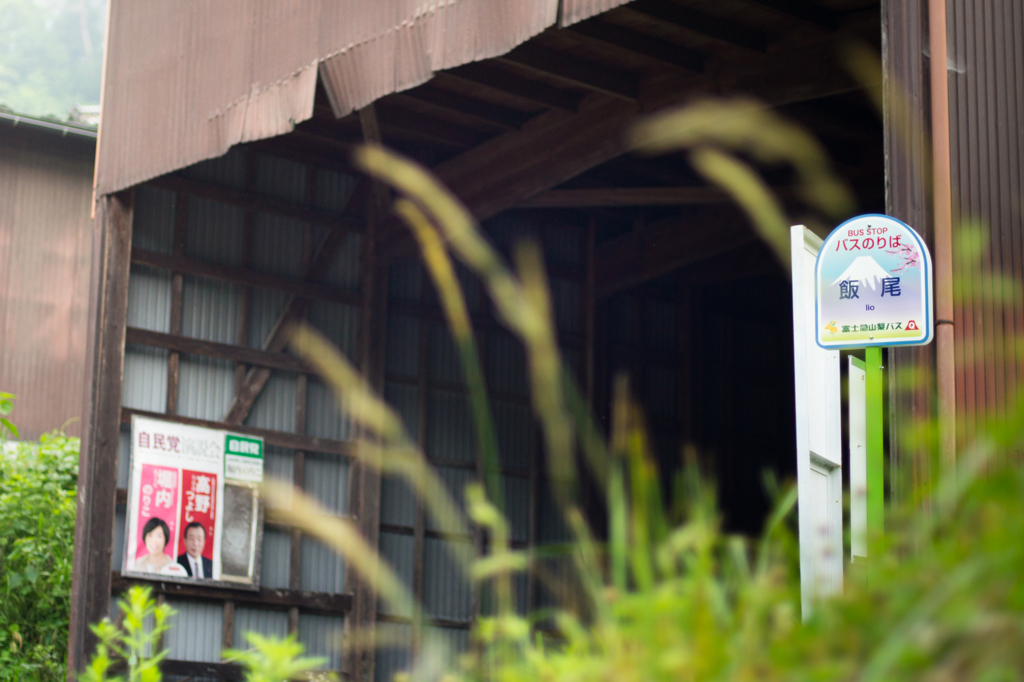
(37, 532)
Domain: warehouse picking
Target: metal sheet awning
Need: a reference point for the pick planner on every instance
(183, 82)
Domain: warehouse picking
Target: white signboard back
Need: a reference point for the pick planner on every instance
(818, 434)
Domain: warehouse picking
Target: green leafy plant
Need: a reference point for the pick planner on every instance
(273, 660)
(131, 642)
(37, 527)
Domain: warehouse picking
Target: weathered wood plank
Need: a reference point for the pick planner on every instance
(319, 602)
(243, 276)
(279, 438)
(108, 309)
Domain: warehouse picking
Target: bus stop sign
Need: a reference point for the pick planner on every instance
(873, 286)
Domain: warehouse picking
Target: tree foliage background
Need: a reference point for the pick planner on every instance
(51, 54)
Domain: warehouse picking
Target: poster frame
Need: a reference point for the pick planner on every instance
(256, 538)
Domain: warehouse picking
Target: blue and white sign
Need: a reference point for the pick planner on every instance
(873, 286)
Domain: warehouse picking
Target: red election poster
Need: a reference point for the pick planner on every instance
(199, 511)
(157, 519)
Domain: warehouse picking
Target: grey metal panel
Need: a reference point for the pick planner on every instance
(261, 621)
(195, 631)
(279, 462)
(446, 591)
(513, 427)
(551, 523)
(565, 298)
(274, 569)
(394, 643)
(322, 637)
(397, 502)
(326, 479)
(398, 551)
(227, 169)
(338, 322)
(449, 427)
(443, 354)
(561, 244)
(117, 553)
(472, 289)
(455, 480)
(508, 229)
(206, 387)
(516, 490)
(659, 324)
(280, 178)
(405, 282)
(275, 407)
(571, 358)
(265, 308)
(153, 219)
(214, 232)
(506, 364)
(334, 189)
(145, 378)
(403, 398)
(621, 319)
(124, 453)
(344, 270)
(278, 245)
(402, 348)
(209, 309)
(521, 585)
(149, 299)
(659, 390)
(455, 640)
(323, 417)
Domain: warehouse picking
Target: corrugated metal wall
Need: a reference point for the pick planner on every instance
(424, 383)
(45, 249)
(986, 108)
(228, 313)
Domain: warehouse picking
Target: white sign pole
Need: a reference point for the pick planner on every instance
(818, 435)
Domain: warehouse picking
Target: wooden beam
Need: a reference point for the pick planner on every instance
(236, 275)
(364, 489)
(712, 27)
(493, 114)
(320, 602)
(435, 130)
(808, 12)
(626, 196)
(278, 438)
(666, 245)
(639, 43)
(197, 670)
(576, 72)
(557, 145)
(185, 344)
(295, 310)
(524, 88)
(101, 429)
(256, 202)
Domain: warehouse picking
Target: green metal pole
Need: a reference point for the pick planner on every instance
(875, 456)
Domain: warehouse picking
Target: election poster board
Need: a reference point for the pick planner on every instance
(873, 286)
(194, 513)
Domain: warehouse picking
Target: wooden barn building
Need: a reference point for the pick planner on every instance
(227, 207)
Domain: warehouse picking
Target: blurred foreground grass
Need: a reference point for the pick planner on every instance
(667, 595)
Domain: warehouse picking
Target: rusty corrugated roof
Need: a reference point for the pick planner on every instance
(183, 83)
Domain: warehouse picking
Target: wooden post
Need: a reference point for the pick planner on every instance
(364, 481)
(177, 287)
(97, 479)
